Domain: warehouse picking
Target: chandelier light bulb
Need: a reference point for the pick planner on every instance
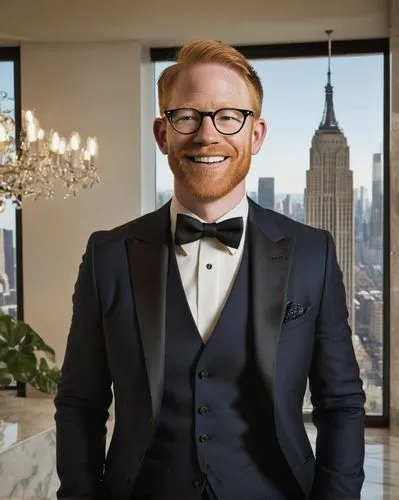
(31, 132)
(74, 142)
(3, 133)
(55, 142)
(62, 147)
(92, 147)
(29, 116)
(41, 160)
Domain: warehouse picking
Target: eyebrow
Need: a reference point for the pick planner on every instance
(219, 106)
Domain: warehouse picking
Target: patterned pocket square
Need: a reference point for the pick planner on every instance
(293, 311)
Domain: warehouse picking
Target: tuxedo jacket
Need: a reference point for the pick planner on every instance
(117, 338)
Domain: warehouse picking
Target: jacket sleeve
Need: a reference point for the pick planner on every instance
(84, 392)
(337, 394)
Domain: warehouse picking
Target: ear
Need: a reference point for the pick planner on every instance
(160, 133)
(258, 135)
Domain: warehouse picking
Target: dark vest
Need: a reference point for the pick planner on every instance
(215, 426)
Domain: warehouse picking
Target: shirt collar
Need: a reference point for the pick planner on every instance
(240, 210)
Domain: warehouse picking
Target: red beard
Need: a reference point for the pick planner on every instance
(207, 183)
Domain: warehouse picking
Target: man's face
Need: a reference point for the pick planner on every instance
(207, 164)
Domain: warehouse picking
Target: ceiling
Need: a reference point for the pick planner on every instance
(171, 22)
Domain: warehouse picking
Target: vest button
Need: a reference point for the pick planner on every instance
(203, 410)
(197, 484)
(203, 374)
(204, 438)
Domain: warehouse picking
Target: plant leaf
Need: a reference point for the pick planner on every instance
(20, 351)
(5, 377)
(22, 366)
(19, 331)
(6, 325)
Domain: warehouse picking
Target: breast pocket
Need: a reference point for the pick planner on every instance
(304, 322)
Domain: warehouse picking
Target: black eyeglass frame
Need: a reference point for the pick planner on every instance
(169, 115)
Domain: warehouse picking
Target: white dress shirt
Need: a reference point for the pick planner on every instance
(208, 268)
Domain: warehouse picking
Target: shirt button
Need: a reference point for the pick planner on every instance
(203, 410)
(203, 374)
(209, 266)
(204, 438)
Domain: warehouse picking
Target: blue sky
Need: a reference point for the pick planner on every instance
(293, 107)
(6, 77)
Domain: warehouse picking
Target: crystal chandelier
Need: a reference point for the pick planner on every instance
(41, 160)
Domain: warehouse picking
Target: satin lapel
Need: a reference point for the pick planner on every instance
(148, 263)
(270, 266)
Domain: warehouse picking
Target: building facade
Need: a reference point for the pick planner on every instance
(329, 191)
(266, 192)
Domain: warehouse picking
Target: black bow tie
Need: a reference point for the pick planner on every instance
(228, 232)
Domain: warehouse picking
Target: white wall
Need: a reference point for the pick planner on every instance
(95, 89)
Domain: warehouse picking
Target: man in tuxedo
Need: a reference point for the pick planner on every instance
(207, 318)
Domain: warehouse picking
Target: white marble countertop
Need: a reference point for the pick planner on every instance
(22, 418)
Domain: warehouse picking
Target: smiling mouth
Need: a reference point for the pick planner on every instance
(207, 160)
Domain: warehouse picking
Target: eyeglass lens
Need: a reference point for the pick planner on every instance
(226, 121)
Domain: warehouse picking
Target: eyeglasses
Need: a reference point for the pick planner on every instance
(227, 121)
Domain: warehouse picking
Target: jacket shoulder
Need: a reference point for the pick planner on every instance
(135, 228)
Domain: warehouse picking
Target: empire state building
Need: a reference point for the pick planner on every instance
(329, 191)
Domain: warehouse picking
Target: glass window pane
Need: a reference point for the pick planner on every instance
(8, 261)
(322, 164)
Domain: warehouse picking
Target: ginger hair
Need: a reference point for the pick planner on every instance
(210, 51)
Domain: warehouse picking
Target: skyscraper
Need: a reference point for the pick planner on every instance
(298, 212)
(9, 255)
(376, 213)
(361, 225)
(4, 279)
(329, 190)
(360, 209)
(266, 192)
(2, 253)
(287, 205)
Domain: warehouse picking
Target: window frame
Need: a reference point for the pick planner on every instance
(340, 48)
(13, 54)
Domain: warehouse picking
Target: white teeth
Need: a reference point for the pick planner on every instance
(209, 159)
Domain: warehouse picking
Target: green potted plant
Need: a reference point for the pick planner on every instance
(25, 357)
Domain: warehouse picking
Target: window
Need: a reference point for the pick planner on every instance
(324, 163)
(10, 216)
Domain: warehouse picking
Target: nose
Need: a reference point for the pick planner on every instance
(207, 133)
